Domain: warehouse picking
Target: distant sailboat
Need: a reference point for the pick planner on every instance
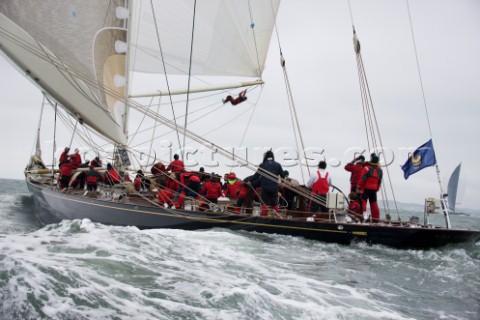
(452, 189)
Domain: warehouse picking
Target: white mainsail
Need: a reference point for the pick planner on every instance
(83, 52)
(452, 188)
(68, 50)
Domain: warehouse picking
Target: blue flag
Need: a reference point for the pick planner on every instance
(421, 158)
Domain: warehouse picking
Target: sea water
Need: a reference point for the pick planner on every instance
(85, 270)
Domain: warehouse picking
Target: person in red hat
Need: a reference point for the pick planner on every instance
(355, 167)
(232, 186)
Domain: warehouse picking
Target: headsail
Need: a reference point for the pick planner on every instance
(231, 38)
(452, 188)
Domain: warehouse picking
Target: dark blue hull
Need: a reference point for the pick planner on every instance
(52, 207)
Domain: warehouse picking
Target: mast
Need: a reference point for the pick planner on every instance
(437, 169)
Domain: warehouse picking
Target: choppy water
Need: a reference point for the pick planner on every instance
(84, 270)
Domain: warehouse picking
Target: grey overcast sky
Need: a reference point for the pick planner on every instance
(316, 39)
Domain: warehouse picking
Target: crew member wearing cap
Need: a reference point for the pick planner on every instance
(369, 184)
(76, 159)
(268, 172)
(355, 167)
(233, 185)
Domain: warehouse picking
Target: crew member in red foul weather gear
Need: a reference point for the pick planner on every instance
(63, 156)
(212, 189)
(369, 184)
(176, 165)
(232, 186)
(234, 101)
(164, 195)
(111, 177)
(92, 178)
(65, 173)
(355, 167)
(76, 159)
(158, 168)
(319, 183)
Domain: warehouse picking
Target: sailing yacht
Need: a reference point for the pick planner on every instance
(452, 190)
(87, 58)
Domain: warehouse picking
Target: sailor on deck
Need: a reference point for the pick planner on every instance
(319, 183)
(355, 167)
(176, 165)
(268, 172)
(369, 184)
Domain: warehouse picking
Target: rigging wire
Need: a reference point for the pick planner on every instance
(291, 103)
(370, 118)
(165, 71)
(189, 78)
(154, 129)
(242, 139)
(437, 168)
(54, 144)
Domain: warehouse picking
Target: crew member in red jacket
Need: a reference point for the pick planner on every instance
(355, 167)
(65, 173)
(176, 165)
(111, 177)
(92, 178)
(63, 156)
(234, 101)
(158, 168)
(172, 182)
(232, 186)
(76, 159)
(369, 184)
(245, 194)
(355, 205)
(319, 183)
(212, 189)
(164, 195)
